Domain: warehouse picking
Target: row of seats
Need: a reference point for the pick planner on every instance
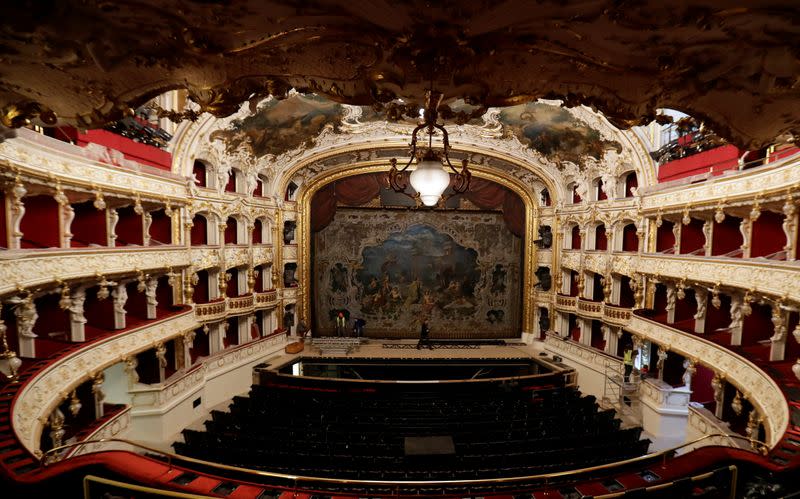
(496, 430)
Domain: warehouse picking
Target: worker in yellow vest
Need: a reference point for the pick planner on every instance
(627, 360)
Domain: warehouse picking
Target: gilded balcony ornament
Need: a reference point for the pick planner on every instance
(716, 302)
(137, 204)
(74, 404)
(161, 354)
(21, 114)
(99, 201)
(719, 214)
(686, 219)
(59, 196)
(65, 302)
(659, 221)
(736, 403)
(746, 301)
(755, 212)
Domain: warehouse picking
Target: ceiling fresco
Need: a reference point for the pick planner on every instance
(278, 127)
(554, 132)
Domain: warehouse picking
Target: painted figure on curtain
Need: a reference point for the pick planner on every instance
(435, 274)
(461, 272)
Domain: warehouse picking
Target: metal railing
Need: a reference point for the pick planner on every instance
(51, 456)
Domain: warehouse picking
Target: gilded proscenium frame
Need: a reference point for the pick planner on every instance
(304, 228)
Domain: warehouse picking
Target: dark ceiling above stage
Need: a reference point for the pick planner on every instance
(85, 62)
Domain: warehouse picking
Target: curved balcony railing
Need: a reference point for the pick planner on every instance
(266, 299)
(591, 309)
(241, 304)
(566, 302)
(211, 311)
(758, 387)
(619, 316)
(28, 270)
(38, 398)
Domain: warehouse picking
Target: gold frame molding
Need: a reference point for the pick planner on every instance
(304, 228)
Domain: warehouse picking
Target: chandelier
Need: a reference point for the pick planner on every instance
(430, 178)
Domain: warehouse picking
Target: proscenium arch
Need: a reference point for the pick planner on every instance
(304, 229)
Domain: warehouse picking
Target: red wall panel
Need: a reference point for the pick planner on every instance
(40, 224)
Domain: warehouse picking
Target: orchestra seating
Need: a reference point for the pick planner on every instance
(496, 430)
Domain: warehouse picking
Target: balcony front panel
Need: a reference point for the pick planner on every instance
(45, 391)
(29, 269)
(755, 384)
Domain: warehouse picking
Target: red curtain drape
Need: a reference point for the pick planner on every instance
(514, 214)
(323, 208)
(357, 190)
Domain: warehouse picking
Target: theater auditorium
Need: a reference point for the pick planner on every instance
(345, 249)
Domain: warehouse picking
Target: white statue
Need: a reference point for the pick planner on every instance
(737, 313)
(671, 297)
(120, 298)
(150, 291)
(26, 314)
(700, 297)
(76, 311)
(688, 372)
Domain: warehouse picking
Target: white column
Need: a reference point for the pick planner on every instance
(16, 212)
(67, 216)
(147, 221)
(25, 312)
(780, 319)
(671, 302)
(701, 297)
(112, 218)
(161, 357)
(99, 395)
(150, 294)
(77, 319)
(213, 284)
(120, 295)
(708, 233)
(215, 334)
(186, 340)
(737, 318)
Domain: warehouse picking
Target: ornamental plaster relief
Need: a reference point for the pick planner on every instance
(30, 269)
(112, 428)
(52, 160)
(754, 384)
(768, 277)
(45, 391)
(784, 174)
(589, 357)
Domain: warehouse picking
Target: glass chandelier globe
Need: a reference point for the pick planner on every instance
(429, 179)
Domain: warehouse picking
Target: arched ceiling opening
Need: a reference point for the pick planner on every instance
(88, 63)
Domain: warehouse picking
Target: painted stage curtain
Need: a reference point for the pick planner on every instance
(361, 189)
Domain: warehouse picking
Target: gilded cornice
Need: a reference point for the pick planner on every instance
(768, 183)
(28, 269)
(38, 160)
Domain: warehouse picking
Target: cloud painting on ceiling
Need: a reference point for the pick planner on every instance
(279, 126)
(554, 132)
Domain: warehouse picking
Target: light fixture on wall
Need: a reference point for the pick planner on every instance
(430, 177)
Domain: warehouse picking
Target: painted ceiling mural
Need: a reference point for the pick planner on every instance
(278, 127)
(554, 132)
(460, 271)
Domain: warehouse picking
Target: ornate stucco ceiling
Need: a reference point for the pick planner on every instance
(87, 62)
